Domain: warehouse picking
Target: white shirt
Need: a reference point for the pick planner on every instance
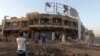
(21, 43)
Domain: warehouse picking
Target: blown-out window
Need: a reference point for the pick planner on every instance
(7, 24)
(44, 21)
(31, 22)
(57, 21)
(36, 21)
(65, 22)
(24, 23)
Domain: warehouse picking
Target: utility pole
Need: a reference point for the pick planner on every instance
(4, 25)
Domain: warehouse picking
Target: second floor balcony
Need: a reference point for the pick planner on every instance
(42, 22)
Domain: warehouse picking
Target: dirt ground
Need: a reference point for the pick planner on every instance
(10, 49)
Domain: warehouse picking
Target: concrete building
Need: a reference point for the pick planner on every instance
(89, 37)
(34, 23)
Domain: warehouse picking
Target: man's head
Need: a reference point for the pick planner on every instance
(43, 34)
(20, 34)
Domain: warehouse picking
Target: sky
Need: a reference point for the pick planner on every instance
(88, 10)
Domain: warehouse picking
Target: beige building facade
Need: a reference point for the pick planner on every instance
(34, 23)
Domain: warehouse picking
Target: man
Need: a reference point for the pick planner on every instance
(21, 41)
(43, 38)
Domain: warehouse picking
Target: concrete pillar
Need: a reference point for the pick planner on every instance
(53, 35)
(79, 28)
(87, 39)
(63, 38)
(32, 35)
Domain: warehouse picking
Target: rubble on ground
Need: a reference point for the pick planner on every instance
(10, 49)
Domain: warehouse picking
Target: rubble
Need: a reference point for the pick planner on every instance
(10, 49)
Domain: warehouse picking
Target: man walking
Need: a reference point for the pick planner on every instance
(21, 42)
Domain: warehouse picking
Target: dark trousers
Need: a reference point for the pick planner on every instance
(21, 53)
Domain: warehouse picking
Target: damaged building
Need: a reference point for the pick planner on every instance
(34, 23)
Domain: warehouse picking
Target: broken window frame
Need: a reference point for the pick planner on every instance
(45, 21)
(57, 21)
(31, 22)
(24, 23)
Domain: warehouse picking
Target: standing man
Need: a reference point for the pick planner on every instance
(43, 38)
(21, 42)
